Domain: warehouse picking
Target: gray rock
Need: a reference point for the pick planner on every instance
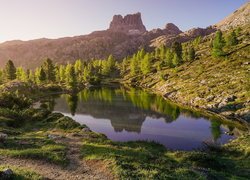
(210, 98)
(86, 129)
(54, 136)
(6, 174)
(3, 137)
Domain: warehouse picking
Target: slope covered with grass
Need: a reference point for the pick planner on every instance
(218, 84)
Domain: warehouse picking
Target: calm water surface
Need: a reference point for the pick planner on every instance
(129, 115)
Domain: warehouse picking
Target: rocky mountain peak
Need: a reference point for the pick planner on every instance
(171, 28)
(130, 24)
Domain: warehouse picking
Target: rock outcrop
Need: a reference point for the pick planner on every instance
(130, 24)
(172, 29)
(174, 34)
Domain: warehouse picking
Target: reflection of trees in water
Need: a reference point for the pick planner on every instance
(49, 102)
(215, 129)
(127, 109)
(72, 101)
(101, 94)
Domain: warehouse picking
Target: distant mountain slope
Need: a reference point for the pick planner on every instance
(124, 37)
(240, 17)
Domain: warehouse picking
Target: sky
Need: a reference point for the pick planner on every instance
(32, 19)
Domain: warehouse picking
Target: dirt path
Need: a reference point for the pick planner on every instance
(76, 170)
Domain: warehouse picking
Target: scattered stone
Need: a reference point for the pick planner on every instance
(54, 136)
(229, 133)
(3, 137)
(86, 129)
(210, 98)
(6, 174)
(230, 98)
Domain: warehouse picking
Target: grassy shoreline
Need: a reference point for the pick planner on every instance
(35, 138)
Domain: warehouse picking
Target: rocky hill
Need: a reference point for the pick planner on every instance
(238, 18)
(124, 37)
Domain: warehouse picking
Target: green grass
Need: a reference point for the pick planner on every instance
(35, 148)
(21, 173)
(142, 160)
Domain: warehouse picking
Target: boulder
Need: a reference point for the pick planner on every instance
(6, 174)
(3, 137)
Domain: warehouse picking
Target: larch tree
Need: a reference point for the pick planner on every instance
(10, 70)
(191, 54)
(231, 39)
(146, 64)
(218, 44)
(49, 70)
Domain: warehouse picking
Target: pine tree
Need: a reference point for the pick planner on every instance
(21, 74)
(42, 75)
(146, 64)
(133, 66)
(162, 52)
(177, 49)
(176, 60)
(78, 66)
(31, 76)
(71, 80)
(10, 70)
(191, 54)
(141, 54)
(169, 58)
(218, 44)
(86, 74)
(231, 39)
(61, 72)
(49, 70)
(1, 76)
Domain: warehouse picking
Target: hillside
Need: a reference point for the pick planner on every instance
(219, 85)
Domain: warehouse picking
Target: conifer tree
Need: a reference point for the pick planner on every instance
(231, 39)
(191, 54)
(177, 49)
(218, 44)
(42, 75)
(49, 70)
(146, 64)
(133, 66)
(10, 70)
(169, 58)
(176, 60)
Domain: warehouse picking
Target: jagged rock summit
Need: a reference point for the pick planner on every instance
(130, 24)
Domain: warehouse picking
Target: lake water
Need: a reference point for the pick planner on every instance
(130, 115)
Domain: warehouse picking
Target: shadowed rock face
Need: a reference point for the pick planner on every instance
(130, 24)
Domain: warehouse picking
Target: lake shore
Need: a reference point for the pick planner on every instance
(118, 160)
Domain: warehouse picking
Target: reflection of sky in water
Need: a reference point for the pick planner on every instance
(123, 120)
(183, 134)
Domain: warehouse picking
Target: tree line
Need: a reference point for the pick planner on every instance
(140, 63)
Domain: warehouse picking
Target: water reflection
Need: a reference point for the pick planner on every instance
(134, 114)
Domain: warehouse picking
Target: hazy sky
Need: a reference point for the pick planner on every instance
(31, 19)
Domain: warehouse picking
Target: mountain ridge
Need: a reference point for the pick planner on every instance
(124, 37)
